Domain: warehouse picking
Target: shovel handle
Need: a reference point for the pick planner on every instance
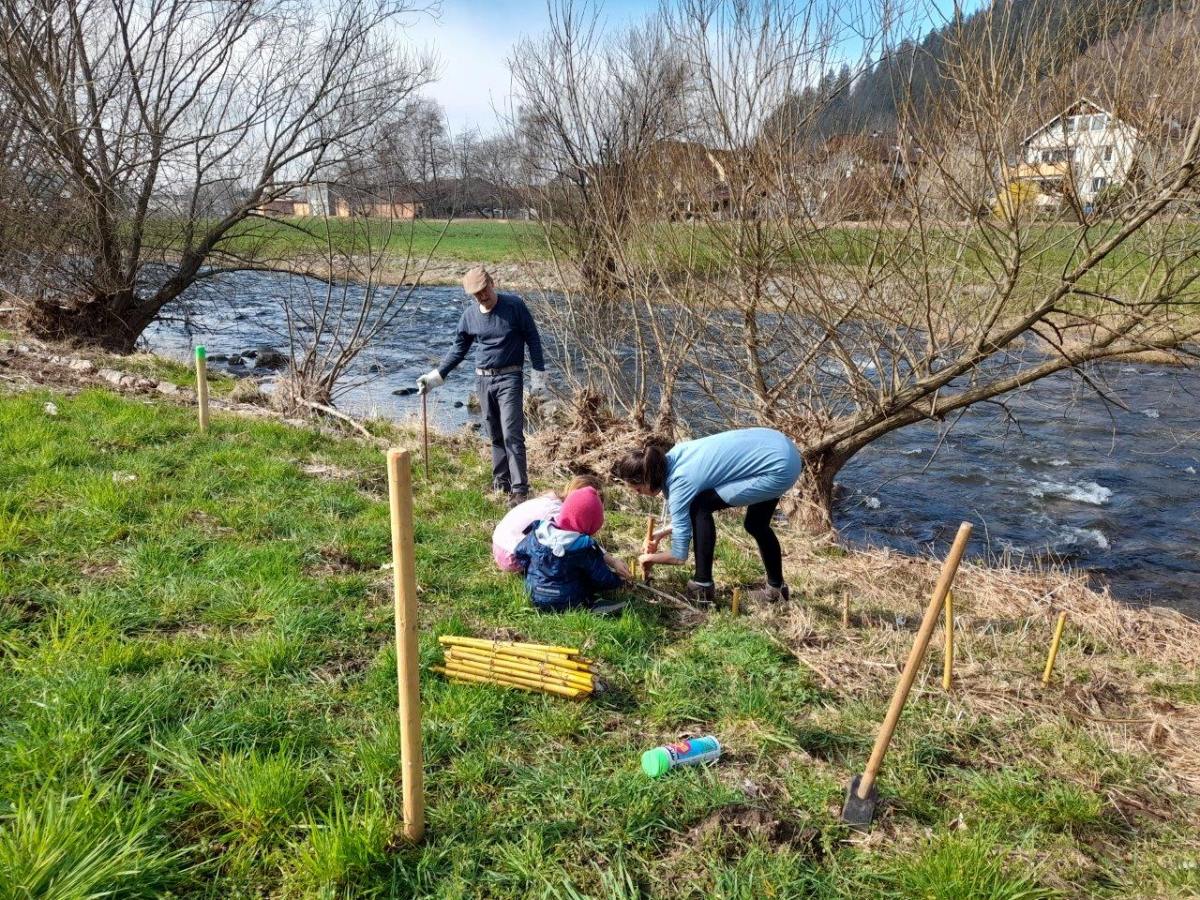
(900, 697)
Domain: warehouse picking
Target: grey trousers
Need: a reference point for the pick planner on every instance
(502, 400)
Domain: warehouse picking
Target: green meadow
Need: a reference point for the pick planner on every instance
(198, 673)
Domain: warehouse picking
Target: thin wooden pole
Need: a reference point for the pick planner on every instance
(736, 606)
(425, 429)
(404, 584)
(1055, 641)
(646, 545)
(202, 385)
(949, 568)
(846, 611)
(948, 662)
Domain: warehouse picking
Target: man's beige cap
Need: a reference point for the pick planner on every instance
(476, 280)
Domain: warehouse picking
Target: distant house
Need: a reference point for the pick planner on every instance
(680, 180)
(855, 176)
(341, 201)
(1077, 155)
(689, 179)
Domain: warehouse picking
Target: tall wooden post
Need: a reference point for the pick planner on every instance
(202, 385)
(404, 583)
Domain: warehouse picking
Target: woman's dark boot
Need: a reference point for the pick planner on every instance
(770, 594)
(701, 593)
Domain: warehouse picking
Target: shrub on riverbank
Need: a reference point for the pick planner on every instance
(196, 653)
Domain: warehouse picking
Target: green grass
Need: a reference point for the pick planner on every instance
(200, 699)
(469, 240)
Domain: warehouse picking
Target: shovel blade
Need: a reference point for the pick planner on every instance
(858, 813)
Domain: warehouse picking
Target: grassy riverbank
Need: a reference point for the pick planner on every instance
(196, 656)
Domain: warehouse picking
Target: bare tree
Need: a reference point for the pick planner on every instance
(169, 123)
(840, 333)
(594, 112)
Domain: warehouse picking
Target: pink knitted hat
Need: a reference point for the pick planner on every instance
(582, 511)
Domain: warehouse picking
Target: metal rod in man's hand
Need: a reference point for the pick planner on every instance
(425, 428)
(404, 584)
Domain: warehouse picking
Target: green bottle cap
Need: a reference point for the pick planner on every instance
(656, 762)
(201, 353)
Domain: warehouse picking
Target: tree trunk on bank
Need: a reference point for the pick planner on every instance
(110, 322)
(815, 511)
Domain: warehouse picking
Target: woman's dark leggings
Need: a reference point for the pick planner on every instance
(758, 524)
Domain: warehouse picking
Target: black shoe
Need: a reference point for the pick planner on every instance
(701, 593)
(770, 594)
(516, 499)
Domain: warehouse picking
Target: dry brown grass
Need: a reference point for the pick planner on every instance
(1107, 679)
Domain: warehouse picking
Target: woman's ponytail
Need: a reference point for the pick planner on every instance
(647, 466)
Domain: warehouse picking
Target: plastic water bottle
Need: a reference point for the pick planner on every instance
(661, 760)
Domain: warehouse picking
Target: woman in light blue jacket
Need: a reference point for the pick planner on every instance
(750, 467)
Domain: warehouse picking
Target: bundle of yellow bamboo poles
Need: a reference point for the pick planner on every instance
(528, 667)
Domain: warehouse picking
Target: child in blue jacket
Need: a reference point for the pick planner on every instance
(564, 566)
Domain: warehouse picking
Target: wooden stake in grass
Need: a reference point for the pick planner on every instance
(948, 662)
(846, 611)
(1058, 630)
(736, 606)
(646, 545)
(404, 583)
(202, 385)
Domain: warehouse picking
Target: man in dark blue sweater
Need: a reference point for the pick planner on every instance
(501, 327)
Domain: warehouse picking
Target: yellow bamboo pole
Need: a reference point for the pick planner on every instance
(482, 679)
(1057, 639)
(548, 658)
(557, 687)
(455, 639)
(202, 386)
(404, 585)
(736, 606)
(846, 611)
(525, 666)
(948, 662)
(520, 662)
(459, 666)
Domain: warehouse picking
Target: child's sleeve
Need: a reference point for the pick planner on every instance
(599, 575)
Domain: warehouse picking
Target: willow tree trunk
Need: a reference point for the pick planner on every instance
(113, 322)
(816, 488)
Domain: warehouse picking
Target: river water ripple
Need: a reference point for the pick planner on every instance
(1113, 491)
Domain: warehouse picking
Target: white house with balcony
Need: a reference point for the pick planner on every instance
(1078, 154)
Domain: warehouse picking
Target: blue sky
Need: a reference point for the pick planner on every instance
(473, 39)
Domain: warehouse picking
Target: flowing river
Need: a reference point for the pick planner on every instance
(1080, 481)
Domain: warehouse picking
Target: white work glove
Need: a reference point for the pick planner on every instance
(537, 383)
(429, 381)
